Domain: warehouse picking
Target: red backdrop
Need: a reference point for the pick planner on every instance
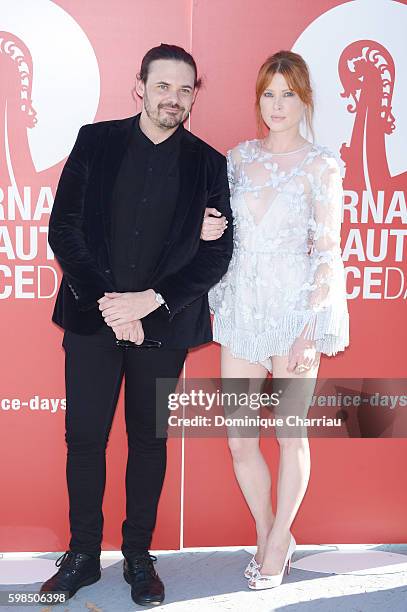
(354, 493)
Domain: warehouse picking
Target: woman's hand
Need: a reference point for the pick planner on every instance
(302, 356)
(213, 227)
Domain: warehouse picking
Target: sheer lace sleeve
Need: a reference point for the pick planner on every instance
(325, 290)
(215, 294)
(232, 158)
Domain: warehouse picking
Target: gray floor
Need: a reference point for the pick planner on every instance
(213, 581)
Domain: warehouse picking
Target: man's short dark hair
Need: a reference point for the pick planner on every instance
(168, 52)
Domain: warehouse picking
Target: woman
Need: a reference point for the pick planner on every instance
(282, 302)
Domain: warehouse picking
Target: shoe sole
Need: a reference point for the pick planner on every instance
(147, 603)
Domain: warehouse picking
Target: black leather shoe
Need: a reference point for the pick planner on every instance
(75, 571)
(146, 586)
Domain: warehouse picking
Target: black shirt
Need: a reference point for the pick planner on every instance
(144, 201)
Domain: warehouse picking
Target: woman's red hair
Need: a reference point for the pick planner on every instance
(295, 71)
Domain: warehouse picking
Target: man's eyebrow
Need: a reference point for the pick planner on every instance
(165, 83)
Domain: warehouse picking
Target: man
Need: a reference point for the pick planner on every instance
(125, 229)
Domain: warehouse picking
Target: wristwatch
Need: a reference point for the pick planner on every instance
(160, 300)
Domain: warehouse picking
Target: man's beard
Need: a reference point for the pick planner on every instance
(165, 122)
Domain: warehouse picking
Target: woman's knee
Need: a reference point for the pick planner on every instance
(243, 448)
(290, 443)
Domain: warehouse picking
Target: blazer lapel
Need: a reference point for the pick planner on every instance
(116, 144)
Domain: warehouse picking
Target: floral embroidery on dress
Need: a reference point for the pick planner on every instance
(286, 274)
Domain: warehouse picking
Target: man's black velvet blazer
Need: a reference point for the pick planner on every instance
(79, 235)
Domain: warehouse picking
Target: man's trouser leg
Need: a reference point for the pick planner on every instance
(147, 453)
(94, 368)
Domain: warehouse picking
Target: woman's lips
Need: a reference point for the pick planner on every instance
(278, 119)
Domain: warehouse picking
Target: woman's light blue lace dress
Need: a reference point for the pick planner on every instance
(286, 274)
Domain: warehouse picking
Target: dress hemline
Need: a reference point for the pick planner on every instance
(259, 348)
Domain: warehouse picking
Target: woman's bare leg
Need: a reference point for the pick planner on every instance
(294, 465)
(250, 468)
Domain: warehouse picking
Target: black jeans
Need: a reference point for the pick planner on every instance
(94, 369)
